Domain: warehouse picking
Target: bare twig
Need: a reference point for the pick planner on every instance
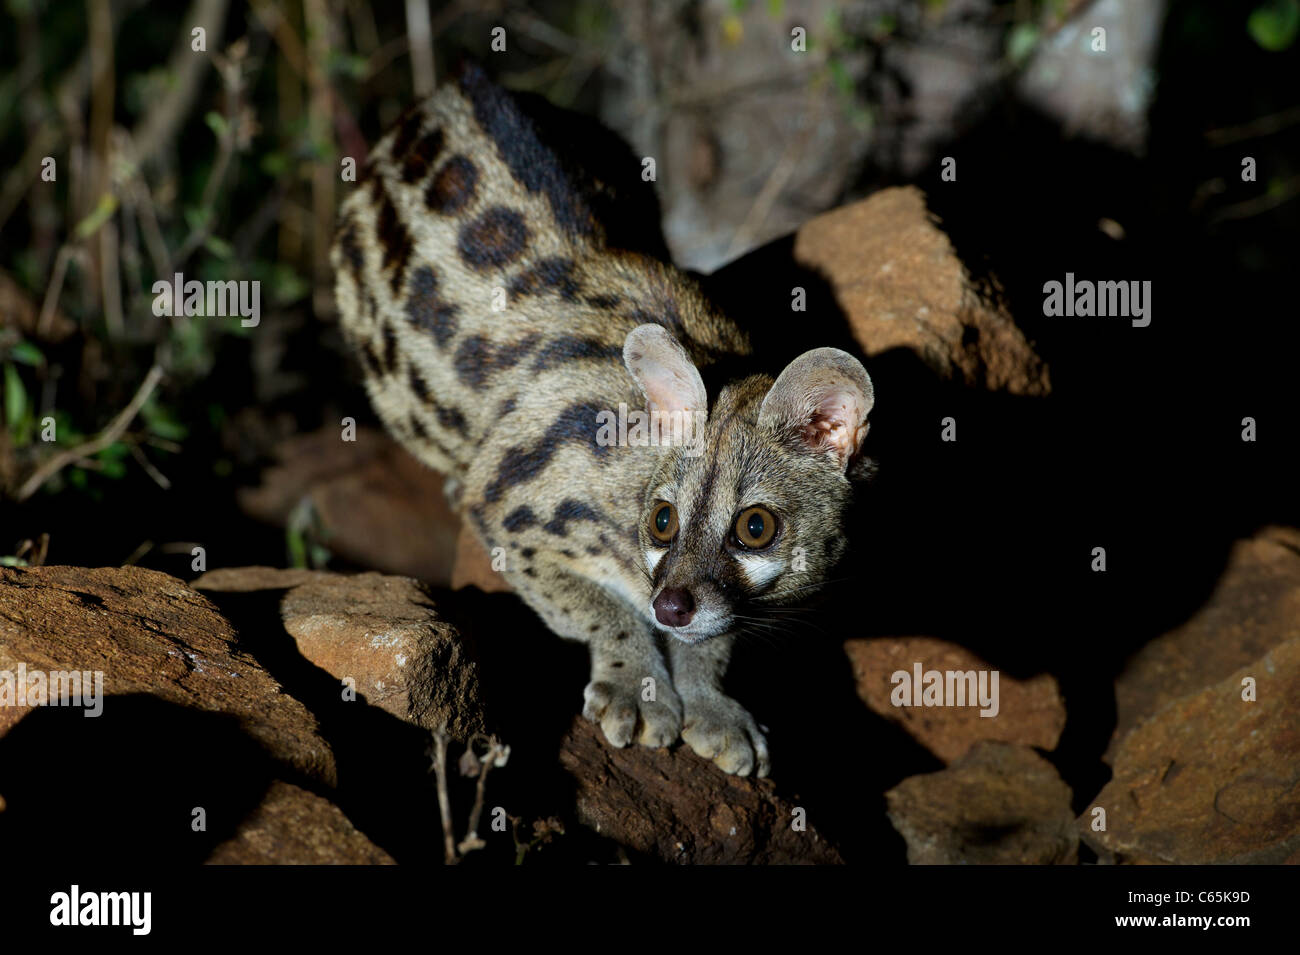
(1263, 126)
(444, 801)
(96, 444)
(495, 752)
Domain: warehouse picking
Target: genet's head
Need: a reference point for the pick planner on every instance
(751, 515)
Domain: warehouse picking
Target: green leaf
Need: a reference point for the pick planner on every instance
(275, 164)
(25, 353)
(217, 123)
(15, 399)
(1021, 42)
(161, 421)
(1274, 25)
(218, 247)
(101, 214)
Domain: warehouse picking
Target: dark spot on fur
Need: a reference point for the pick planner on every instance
(418, 429)
(518, 144)
(477, 358)
(571, 348)
(593, 628)
(621, 636)
(408, 127)
(527, 553)
(452, 418)
(593, 551)
(567, 510)
(418, 384)
(577, 423)
(351, 250)
(452, 186)
(568, 553)
(390, 347)
(426, 310)
(507, 406)
(603, 301)
(421, 155)
(616, 664)
(528, 571)
(371, 359)
(519, 519)
(396, 242)
(495, 238)
(551, 273)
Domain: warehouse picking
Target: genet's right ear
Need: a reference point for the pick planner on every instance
(665, 373)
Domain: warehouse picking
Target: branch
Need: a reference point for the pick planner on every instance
(96, 444)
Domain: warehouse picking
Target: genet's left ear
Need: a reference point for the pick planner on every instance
(822, 398)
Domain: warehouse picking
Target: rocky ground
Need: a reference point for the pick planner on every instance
(298, 708)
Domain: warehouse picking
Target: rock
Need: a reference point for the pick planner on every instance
(385, 633)
(1210, 778)
(674, 805)
(1030, 712)
(897, 279)
(374, 504)
(150, 634)
(1254, 608)
(292, 826)
(252, 579)
(999, 804)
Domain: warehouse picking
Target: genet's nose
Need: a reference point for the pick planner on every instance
(674, 607)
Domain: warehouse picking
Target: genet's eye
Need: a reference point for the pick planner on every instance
(663, 522)
(755, 527)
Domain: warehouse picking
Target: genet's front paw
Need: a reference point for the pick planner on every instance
(718, 728)
(619, 707)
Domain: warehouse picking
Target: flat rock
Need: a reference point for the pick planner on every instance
(898, 280)
(385, 633)
(374, 503)
(149, 633)
(292, 826)
(1211, 777)
(1254, 608)
(1000, 804)
(672, 804)
(381, 631)
(1029, 711)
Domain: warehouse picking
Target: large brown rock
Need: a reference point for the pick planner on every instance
(374, 503)
(1254, 608)
(292, 826)
(382, 632)
(1000, 804)
(897, 278)
(149, 633)
(1029, 711)
(674, 805)
(1211, 777)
